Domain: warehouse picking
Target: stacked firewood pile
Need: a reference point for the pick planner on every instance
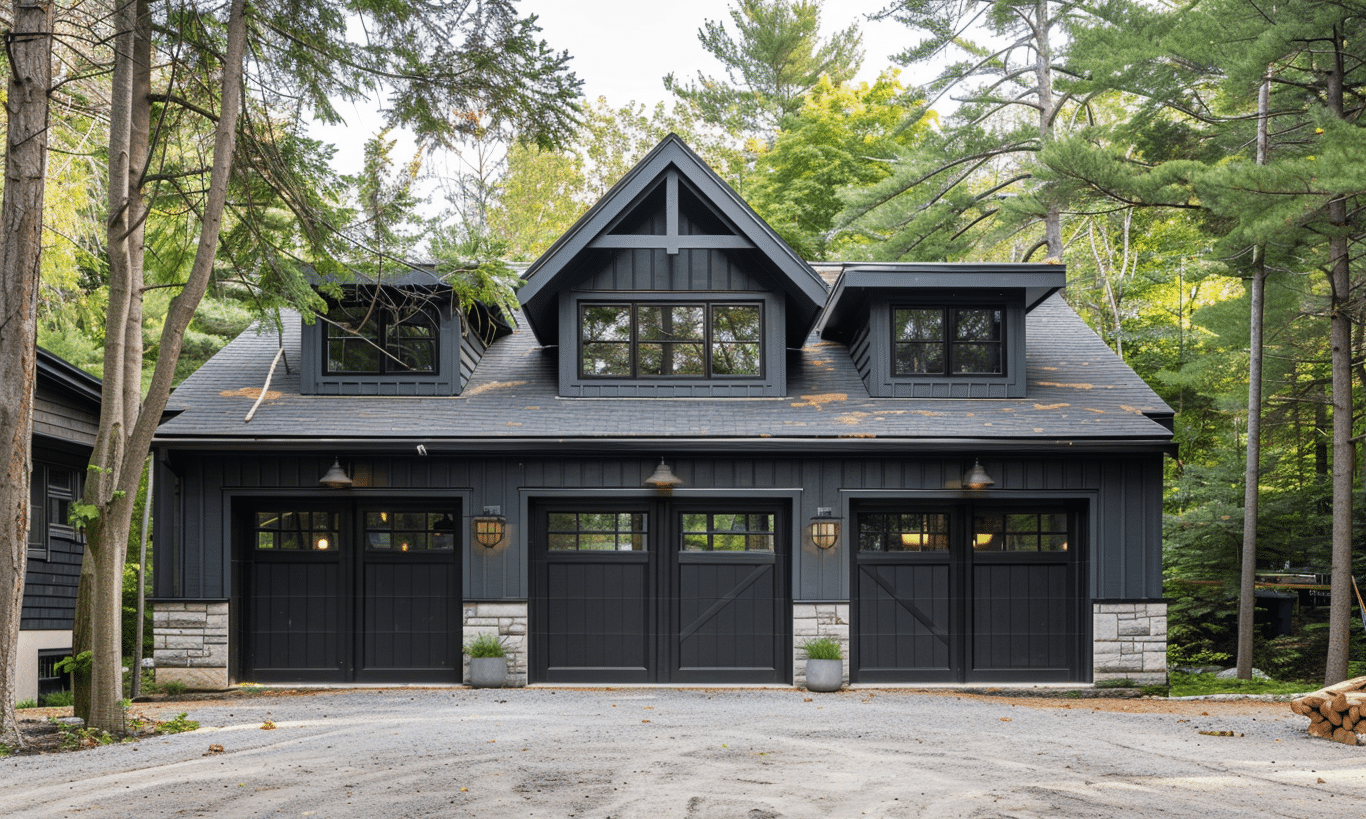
(1337, 712)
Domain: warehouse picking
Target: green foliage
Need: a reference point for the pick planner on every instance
(1198, 685)
(173, 688)
(485, 645)
(842, 136)
(26, 704)
(775, 57)
(822, 648)
(177, 725)
(57, 699)
(80, 664)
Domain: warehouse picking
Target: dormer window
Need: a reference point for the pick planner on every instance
(372, 340)
(671, 340)
(947, 341)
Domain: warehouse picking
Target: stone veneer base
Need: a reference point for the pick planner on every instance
(1130, 642)
(190, 643)
(812, 620)
(507, 622)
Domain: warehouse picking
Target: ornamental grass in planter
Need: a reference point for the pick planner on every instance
(488, 661)
(824, 664)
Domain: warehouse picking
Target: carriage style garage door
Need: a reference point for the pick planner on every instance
(665, 591)
(967, 593)
(350, 592)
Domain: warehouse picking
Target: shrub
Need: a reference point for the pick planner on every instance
(26, 704)
(822, 648)
(173, 687)
(57, 699)
(485, 645)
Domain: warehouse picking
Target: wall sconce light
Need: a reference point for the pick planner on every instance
(977, 477)
(335, 477)
(490, 527)
(663, 477)
(825, 528)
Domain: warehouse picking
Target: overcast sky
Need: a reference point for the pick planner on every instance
(622, 49)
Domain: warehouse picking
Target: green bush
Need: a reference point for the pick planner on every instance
(173, 687)
(57, 699)
(485, 645)
(26, 704)
(822, 648)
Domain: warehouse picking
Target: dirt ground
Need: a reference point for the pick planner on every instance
(703, 754)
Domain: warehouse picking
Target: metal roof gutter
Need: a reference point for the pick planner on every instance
(646, 445)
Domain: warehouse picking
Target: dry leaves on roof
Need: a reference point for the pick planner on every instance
(493, 385)
(250, 392)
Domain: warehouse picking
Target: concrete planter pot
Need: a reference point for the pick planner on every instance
(488, 672)
(824, 675)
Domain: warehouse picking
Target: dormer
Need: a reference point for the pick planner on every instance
(938, 330)
(671, 286)
(400, 336)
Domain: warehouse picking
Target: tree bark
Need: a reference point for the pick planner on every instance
(1247, 593)
(1340, 338)
(29, 45)
(1043, 70)
(126, 431)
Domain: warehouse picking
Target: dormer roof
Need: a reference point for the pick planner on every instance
(861, 284)
(701, 212)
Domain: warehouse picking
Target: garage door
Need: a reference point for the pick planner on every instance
(967, 593)
(351, 592)
(660, 592)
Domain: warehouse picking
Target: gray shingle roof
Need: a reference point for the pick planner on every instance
(1078, 391)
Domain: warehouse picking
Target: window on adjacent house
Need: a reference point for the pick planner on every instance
(671, 340)
(37, 515)
(369, 339)
(947, 341)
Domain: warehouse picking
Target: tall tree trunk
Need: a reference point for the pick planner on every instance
(1043, 72)
(29, 46)
(126, 432)
(1247, 594)
(130, 117)
(1340, 337)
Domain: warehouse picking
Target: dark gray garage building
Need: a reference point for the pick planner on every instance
(670, 334)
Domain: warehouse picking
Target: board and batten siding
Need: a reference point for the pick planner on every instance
(688, 271)
(1122, 494)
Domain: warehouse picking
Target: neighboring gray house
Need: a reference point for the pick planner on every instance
(692, 453)
(66, 413)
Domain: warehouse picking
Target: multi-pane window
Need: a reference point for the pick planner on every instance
(277, 530)
(727, 532)
(597, 531)
(409, 531)
(671, 340)
(913, 532)
(1020, 531)
(947, 341)
(368, 338)
(51, 492)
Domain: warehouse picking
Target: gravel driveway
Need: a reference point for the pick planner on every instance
(709, 754)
